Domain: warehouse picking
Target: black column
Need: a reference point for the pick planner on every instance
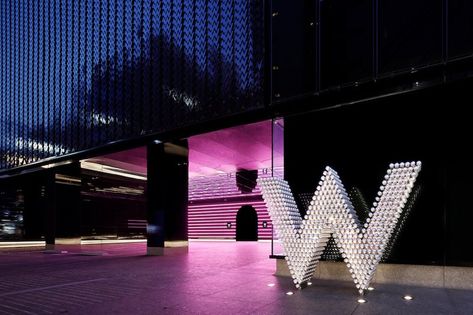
(67, 195)
(167, 195)
(34, 206)
(48, 192)
(61, 190)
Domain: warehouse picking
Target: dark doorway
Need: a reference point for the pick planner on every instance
(247, 224)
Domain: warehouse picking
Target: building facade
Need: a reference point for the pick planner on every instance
(358, 86)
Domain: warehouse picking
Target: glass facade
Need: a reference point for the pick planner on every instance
(80, 74)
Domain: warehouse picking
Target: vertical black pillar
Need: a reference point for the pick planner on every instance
(48, 193)
(67, 197)
(167, 196)
(34, 206)
(61, 192)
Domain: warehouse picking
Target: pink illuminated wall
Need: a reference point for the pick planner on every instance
(214, 157)
(214, 201)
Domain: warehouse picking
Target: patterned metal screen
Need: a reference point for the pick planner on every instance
(79, 74)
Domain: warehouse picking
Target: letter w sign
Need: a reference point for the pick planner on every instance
(331, 212)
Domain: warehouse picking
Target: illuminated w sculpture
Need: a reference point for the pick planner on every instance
(331, 212)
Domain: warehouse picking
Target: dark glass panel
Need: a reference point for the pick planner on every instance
(410, 34)
(460, 28)
(346, 41)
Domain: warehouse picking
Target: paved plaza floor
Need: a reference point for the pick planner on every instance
(212, 278)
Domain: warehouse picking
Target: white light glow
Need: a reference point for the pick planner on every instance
(40, 146)
(56, 164)
(270, 284)
(408, 297)
(289, 293)
(108, 170)
(16, 158)
(104, 119)
(179, 96)
(331, 212)
(361, 301)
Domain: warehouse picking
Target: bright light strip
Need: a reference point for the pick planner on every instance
(67, 178)
(228, 204)
(223, 209)
(408, 297)
(218, 218)
(21, 244)
(221, 217)
(108, 170)
(212, 240)
(56, 164)
(98, 242)
(331, 213)
(361, 301)
(121, 190)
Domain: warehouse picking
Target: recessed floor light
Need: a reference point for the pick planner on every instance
(408, 297)
(361, 301)
(270, 284)
(370, 288)
(309, 283)
(289, 293)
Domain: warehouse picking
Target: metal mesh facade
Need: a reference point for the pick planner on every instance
(79, 74)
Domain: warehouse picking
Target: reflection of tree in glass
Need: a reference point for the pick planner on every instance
(167, 86)
(133, 68)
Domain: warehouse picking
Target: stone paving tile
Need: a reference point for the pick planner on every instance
(213, 278)
(388, 299)
(462, 300)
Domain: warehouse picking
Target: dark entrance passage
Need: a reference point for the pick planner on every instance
(247, 224)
